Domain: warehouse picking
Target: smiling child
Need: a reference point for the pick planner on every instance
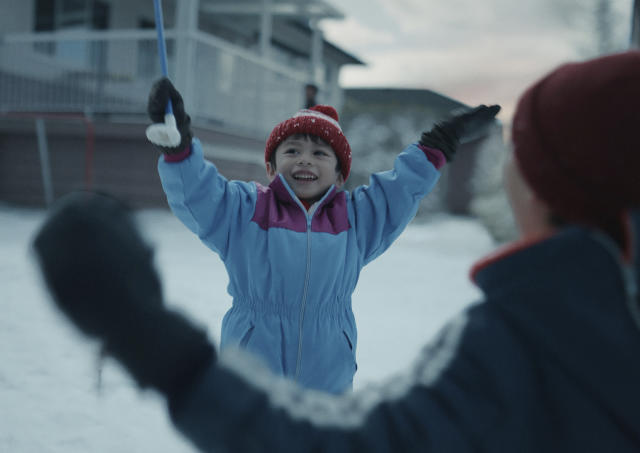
(294, 249)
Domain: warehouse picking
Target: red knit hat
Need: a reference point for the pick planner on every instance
(319, 120)
(576, 136)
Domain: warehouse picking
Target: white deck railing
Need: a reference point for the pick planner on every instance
(111, 72)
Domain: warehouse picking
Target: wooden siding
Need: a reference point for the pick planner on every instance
(123, 162)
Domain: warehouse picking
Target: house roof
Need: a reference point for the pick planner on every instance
(339, 54)
(404, 96)
(291, 24)
(309, 9)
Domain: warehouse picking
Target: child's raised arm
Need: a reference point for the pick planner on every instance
(206, 202)
(383, 209)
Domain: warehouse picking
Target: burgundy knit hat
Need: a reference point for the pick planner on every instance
(576, 135)
(319, 120)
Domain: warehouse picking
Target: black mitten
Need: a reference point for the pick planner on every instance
(161, 91)
(447, 135)
(100, 273)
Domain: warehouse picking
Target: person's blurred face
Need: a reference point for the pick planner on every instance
(311, 91)
(531, 214)
(309, 166)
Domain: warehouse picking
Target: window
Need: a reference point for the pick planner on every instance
(52, 15)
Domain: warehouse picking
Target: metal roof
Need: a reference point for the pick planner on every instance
(310, 9)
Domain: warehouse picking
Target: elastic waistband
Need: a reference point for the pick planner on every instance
(328, 308)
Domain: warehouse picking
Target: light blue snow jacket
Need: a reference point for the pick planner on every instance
(292, 272)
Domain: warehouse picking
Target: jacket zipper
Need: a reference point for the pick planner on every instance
(309, 218)
(304, 297)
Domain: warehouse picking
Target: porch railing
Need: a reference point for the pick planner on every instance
(111, 73)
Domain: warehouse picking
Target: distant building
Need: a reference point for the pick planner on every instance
(75, 75)
(405, 113)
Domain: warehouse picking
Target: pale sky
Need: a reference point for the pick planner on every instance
(476, 51)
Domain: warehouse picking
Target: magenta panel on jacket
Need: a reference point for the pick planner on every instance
(276, 208)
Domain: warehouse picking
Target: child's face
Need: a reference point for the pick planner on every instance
(309, 167)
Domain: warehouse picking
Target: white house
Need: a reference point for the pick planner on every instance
(75, 76)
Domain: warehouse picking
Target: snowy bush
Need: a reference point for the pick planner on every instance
(376, 141)
(378, 130)
(489, 203)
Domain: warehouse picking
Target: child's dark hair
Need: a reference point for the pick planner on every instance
(312, 138)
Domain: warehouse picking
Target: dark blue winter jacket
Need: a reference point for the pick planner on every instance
(549, 361)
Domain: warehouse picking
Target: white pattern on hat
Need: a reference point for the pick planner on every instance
(317, 114)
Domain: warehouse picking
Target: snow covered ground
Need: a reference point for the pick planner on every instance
(50, 397)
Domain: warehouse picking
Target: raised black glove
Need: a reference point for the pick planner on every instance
(101, 275)
(161, 91)
(447, 135)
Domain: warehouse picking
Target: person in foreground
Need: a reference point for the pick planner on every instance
(294, 249)
(548, 361)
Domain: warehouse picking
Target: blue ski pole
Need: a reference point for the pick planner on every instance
(163, 134)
